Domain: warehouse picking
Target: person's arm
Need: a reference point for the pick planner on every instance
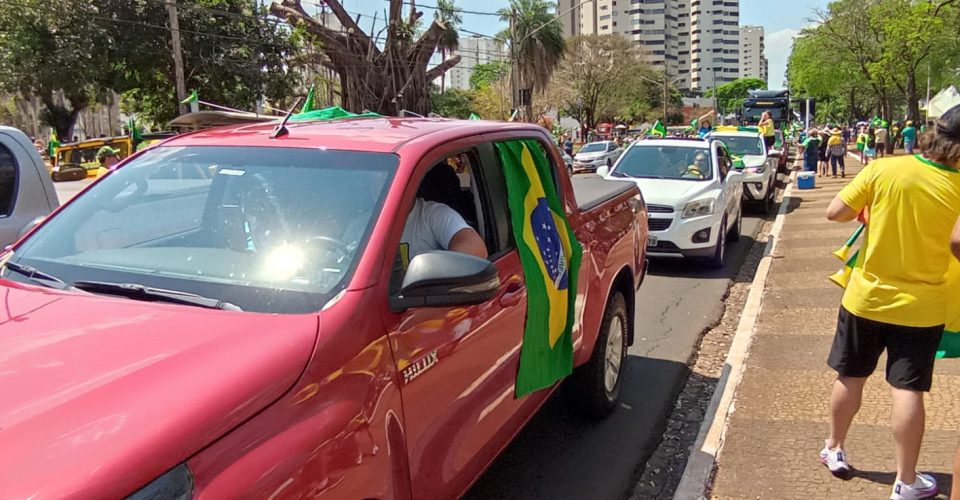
(468, 241)
(955, 240)
(838, 211)
(850, 201)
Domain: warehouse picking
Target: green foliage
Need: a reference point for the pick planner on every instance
(540, 45)
(454, 103)
(486, 73)
(731, 95)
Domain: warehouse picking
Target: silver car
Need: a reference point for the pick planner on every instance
(596, 154)
(26, 191)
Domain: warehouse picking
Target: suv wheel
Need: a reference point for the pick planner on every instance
(719, 253)
(734, 234)
(594, 388)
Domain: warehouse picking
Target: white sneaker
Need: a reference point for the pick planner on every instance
(835, 460)
(924, 487)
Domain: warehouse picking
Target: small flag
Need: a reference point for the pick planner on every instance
(513, 116)
(474, 116)
(135, 135)
(693, 125)
(308, 105)
(842, 277)
(843, 253)
(658, 129)
(191, 99)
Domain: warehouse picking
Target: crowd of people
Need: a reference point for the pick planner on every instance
(896, 296)
(825, 148)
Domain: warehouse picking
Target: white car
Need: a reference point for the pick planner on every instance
(596, 154)
(759, 166)
(692, 192)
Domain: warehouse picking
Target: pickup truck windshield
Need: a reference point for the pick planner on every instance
(742, 146)
(666, 162)
(268, 229)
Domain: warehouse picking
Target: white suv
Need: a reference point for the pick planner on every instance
(692, 192)
(759, 166)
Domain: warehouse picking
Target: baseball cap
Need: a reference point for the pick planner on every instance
(948, 125)
(107, 151)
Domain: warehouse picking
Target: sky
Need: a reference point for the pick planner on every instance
(782, 21)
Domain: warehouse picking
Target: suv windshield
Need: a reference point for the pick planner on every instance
(268, 229)
(742, 146)
(666, 162)
(593, 147)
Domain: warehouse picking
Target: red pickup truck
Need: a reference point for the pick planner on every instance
(219, 318)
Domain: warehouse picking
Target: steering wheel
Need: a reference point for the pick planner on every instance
(329, 243)
(121, 199)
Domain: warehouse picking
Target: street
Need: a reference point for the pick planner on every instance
(559, 455)
(67, 190)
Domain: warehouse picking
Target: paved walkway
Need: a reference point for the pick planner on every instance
(781, 409)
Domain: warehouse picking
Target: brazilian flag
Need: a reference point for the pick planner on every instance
(658, 129)
(550, 256)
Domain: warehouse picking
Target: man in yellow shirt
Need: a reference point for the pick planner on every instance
(894, 299)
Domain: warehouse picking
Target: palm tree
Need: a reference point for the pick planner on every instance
(539, 41)
(447, 15)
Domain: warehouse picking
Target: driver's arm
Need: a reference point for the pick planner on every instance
(468, 241)
(452, 232)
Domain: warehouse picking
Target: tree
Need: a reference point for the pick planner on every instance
(492, 101)
(485, 74)
(537, 42)
(383, 78)
(731, 95)
(596, 77)
(448, 15)
(454, 103)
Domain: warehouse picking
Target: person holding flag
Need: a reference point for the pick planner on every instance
(894, 298)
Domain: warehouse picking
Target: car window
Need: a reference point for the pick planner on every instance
(268, 229)
(723, 162)
(665, 162)
(8, 180)
(743, 145)
(593, 147)
(611, 146)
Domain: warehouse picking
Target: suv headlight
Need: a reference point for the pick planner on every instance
(698, 208)
(175, 484)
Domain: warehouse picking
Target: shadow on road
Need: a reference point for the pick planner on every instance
(944, 481)
(560, 455)
(690, 268)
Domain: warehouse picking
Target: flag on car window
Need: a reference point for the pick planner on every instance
(550, 256)
(658, 129)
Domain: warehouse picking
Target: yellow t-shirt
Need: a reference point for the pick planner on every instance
(767, 129)
(913, 204)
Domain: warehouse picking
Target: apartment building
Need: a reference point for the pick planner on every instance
(473, 50)
(753, 63)
(697, 42)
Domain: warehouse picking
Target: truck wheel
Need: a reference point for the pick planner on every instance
(594, 388)
(716, 261)
(770, 202)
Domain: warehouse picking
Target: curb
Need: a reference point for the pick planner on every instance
(709, 442)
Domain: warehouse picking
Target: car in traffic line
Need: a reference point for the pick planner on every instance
(227, 315)
(759, 166)
(596, 154)
(693, 195)
(27, 194)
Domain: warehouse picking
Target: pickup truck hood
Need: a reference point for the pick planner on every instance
(107, 393)
(672, 192)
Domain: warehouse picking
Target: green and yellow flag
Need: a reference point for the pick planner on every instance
(843, 253)
(192, 98)
(308, 105)
(550, 256)
(658, 129)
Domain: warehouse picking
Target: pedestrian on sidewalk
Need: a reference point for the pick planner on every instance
(894, 298)
(870, 148)
(882, 135)
(909, 137)
(822, 154)
(862, 143)
(811, 150)
(836, 151)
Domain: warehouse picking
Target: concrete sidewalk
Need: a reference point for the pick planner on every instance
(781, 412)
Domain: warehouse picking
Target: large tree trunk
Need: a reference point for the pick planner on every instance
(62, 117)
(913, 104)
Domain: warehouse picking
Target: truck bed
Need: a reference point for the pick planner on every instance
(593, 190)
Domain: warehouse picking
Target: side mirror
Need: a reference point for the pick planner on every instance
(603, 171)
(734, 175)
(446, 279)
(30, 225)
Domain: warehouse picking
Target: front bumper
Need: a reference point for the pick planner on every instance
(755, 186)
(676, 238)
(585, 167)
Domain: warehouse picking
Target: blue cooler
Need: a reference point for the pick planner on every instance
(806, 180)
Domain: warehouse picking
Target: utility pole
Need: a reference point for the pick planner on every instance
(513, 58)
(665, 97)
(177, 55)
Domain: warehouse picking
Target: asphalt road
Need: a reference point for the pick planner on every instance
(67, 190)
(559, 455)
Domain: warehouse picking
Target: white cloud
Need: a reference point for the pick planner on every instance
(778, 46)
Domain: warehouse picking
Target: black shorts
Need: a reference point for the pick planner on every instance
(911, 351)
(769, 140)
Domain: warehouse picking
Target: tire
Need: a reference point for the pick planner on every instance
(770, 202)
(720, 252)
(734, 234)
(593, 390)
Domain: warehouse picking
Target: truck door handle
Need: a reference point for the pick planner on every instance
(511, 296)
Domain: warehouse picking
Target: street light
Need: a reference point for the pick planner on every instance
(665, 83)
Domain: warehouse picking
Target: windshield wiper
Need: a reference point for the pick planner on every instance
(618, 174)
(37, 275)
(140, 292)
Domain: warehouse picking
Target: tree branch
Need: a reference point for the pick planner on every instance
(442, 68)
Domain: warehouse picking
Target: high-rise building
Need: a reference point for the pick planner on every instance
(473, 50)
(753, 63)
(696, 41)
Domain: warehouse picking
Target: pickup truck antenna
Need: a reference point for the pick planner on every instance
(282, 128)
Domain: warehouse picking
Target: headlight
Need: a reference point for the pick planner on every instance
(175, 484)
(753, 170)
(698, 208)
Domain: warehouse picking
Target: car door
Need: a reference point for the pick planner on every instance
(458, 365)
(730, 191)
(22, 194)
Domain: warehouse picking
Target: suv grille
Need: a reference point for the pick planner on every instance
(658, 224)
(659, 209)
